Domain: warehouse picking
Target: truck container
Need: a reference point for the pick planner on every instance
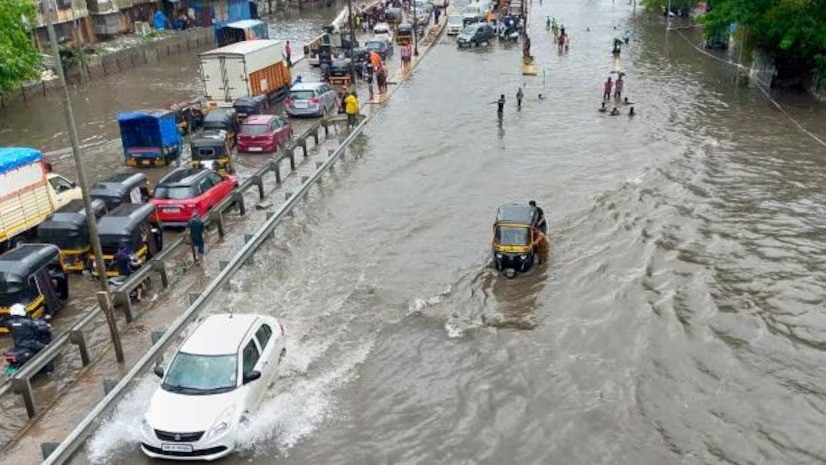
(150, 138)
(249, 68)
(246, 29)
(28, 194)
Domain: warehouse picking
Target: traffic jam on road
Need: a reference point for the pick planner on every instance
(245, 81)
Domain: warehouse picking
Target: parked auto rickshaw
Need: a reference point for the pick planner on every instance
(246, 106)
(211, 150)
(121, 188)
(67, 229)
(223, 119)
(134, 224)
(189, 115)
(516, 238)
(404, 34)
(32, 275)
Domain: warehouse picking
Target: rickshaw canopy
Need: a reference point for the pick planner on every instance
(517, 213)
(221, 118)
(118, 188)
(19, 264)
(67, 228)
(209, 145)
(123, 223)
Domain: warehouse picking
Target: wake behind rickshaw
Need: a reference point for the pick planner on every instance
(404, 34)
(211, 150)
(32, 275)
(132, 224)
(516, 238)
(67, 229)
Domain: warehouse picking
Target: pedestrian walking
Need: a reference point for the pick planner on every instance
(196, 234)
(618, 85)
(607, 89)
(437, 13)
(351, 103)
(406, 54)
(500, 106)
(287, 54)
(368, 78)
(519, 95)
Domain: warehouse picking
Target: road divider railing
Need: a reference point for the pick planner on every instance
(73, 441)
(20, 382)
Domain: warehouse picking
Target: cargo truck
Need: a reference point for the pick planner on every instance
(244, 69)
(28, 194)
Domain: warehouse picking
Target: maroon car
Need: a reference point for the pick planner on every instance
(263, 133)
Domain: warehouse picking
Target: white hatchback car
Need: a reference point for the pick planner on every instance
(216, 377)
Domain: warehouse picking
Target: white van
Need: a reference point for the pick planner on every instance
(455, 24)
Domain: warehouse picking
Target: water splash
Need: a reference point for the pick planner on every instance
(122, 431)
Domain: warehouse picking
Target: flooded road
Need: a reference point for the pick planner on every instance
(679, 319)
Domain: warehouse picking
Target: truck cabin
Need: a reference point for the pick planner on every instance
(32, 275)
(121, 188)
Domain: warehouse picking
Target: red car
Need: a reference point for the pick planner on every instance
(263, 133)
(186, 190)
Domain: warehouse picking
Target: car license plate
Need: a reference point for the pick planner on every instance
(171, 209)
(146, 162)
(256, 149)
(300, 104)
(176, 447)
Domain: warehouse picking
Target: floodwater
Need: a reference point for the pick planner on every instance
(679, 319)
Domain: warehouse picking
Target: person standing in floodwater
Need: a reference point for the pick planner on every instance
(500, 109)
(618, 87)
(607, 89)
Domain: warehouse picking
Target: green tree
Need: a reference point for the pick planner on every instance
(18, 57)
(794, 31)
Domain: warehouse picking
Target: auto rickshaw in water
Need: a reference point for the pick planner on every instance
(132, 224)
(223, 119)
(517, 238)
(32, 275)
(189, 115)
(211, 150)
(67, 229)
(404, 34)
(121, 188)
(248, 106)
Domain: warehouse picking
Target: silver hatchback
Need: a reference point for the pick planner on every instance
(310, 99)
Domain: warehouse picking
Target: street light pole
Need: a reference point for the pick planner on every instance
(352, 45)
(91, 221)
(415, 30)
(668, 17)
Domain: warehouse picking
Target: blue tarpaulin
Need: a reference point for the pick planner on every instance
(148, 129)
(159, 20)
(14, 157)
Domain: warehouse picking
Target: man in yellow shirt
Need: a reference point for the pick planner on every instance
(351, 107)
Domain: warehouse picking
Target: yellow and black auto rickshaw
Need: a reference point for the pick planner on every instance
(404, 34)
(211, 150)
(133, 224)
(516, 238)
(225, 119)
(121, 188)
(67, 229)
(189, 115)
(32, 275)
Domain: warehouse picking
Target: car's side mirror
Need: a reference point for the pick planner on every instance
(158, 371)
(251, 376)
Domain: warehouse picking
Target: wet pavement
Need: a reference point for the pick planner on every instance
(679, 319)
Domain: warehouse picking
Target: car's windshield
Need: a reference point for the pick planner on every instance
(174, 192)
(201, 374)
(470, 30)
(506, 235)
(253, 129)
(302, 94)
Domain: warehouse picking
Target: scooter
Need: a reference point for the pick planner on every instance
(18, 356)
(511, 35)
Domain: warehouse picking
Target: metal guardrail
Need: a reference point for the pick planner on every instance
(73, 441)
(21, 381)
